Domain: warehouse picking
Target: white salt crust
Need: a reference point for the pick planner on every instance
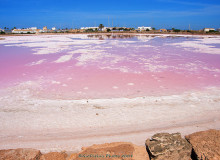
(29, 121)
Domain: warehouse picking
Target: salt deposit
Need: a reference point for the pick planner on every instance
(62, 92)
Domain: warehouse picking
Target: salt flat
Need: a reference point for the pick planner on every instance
(68, 91)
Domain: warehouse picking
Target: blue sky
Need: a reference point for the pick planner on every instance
(129, 13)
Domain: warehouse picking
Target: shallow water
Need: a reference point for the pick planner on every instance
(139, 85)
(89, 66)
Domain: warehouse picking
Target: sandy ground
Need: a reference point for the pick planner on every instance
(54, 125)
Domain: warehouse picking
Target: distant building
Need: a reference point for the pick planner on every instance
(28, 30)
(163, 30)
(54, 29)
(93, 28)
(45, 28)
(21, 31)
(144, 28)
(218, 30)
(208, 29)
(33, 28)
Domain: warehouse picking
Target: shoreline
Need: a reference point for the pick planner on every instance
(56, 125)
(117, 33)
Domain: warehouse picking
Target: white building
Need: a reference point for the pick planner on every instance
(93, 28)
(28, 30)
(208, 29)
(54, 29)
(144, 28)
(21, 31)
(33, 28)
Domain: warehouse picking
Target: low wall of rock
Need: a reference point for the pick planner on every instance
(204, 145)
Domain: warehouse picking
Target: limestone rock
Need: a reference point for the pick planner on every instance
(164, 146)
(20, 154)
(54, 156)
(206, 144)
(112, 151)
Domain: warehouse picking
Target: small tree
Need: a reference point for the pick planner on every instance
(89, 30)
(176, 30)
(101, 26)
(147, 29)
(2, 32)
(211, 31)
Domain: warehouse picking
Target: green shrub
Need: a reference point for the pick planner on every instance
(108, 30)
(176, 30)
(89, 30)
(211, 31)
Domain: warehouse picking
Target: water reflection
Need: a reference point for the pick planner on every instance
(127, 36)
(118, 36)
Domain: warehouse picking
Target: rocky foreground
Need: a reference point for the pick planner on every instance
(204, 145)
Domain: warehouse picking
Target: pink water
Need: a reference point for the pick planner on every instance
(108, 67)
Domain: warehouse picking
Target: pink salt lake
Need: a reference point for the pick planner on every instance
(99, 66)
